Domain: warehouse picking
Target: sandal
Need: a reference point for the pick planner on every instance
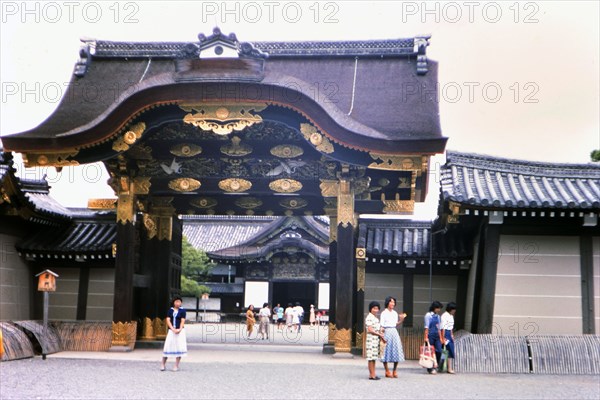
(374, 378)
(395, 374)
(388, 374)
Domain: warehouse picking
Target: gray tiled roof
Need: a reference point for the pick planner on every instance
(211, 233)
(408, 239)
(85, 236)
(504, 183)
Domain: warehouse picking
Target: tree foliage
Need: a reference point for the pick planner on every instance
(195, 264)
(595, 155)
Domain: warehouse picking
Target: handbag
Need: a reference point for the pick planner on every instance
(427, 357)
(444, 367)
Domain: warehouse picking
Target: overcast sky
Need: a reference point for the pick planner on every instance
(517, 79)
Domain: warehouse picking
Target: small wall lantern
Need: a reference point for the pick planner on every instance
(47, 281)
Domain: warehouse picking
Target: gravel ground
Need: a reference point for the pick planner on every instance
(223, 363)
(211, 373)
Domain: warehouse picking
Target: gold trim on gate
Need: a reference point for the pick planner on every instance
(160, 328)
(235, 185)
(204, 202)
(236, 148)
(222, 119)
(361, 253)
(285, 186)
(102, 204)
(293, 204)
(141, 185)
(287, 151)
(123, 334)
(316, 138)
(343, 340)
(329, 187)
(147, 330)
(361, 276)
(185, 150)
(122, 143)
(397, 206)
(248, 203)
(50, 159)
(151, 225)
(394, 162)
(184, 184)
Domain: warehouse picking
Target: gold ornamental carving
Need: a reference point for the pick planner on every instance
(160, 328)
(185, 150)
(397, 206)
(331, 330)
(50, 159)
(329, 187)
(395, 162)
(345, 205)
(285, 186)
(123, 334)
(165, 228)
(360, 275)
(125, 202)
(236, 148)
(124, 142)
(343, 340)
(223, 119)
(235, 185)
(287, 151)
(141, 185)
(359, 340)
(151, 225)
(293, 204)
(184, 184)
(102, 204)
(204, 202)
(248, 203)
(147, 330)
(361, 253)
(316, 138)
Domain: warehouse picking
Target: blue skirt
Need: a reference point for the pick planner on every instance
(393, 348)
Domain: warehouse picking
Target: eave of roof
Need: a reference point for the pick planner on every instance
(501, 183)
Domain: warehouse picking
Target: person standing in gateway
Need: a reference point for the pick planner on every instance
(176, 342)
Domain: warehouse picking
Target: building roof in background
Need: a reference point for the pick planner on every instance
(211, 233)
(494, 182)
(404, 238)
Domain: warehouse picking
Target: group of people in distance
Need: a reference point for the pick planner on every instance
(291, 317)
(438, 333)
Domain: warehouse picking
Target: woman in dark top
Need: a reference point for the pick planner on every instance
(175, 343)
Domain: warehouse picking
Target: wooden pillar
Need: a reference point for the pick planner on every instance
(346, 269)
(123, 326)
(82, 295)
(158, 251)
(489, 270)
(587, 284)
(408, 295)
(329, 348)
(361, 263)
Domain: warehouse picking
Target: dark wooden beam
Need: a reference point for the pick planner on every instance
(489, 271)
(587, 284)
(124, 269)
(82, 295)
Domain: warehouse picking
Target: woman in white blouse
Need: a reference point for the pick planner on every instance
(447, 327)
(393, 349)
